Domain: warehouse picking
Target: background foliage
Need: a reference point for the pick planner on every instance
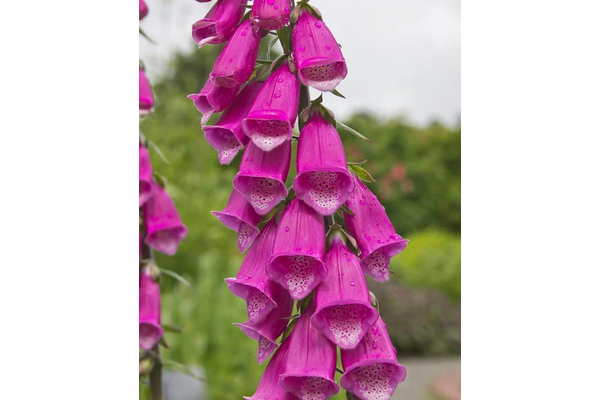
(418, 173)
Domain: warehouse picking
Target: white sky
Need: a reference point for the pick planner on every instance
(403, 56)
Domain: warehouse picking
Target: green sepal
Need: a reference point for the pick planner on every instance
(161, 180)
(338, 94)
(172, 328)
(350, 238)
(284, 35)
(353, 131)
(270, 46)
(358, 162)
(163, 342)
(362, 173)
(374, 301)
(277, 63)
(146, 36)
(345, 209)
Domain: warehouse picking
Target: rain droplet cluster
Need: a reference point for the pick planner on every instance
(345, 323)
(314, 388)
(323, 190)
(301, 274)
(263, 192)
(374, 381)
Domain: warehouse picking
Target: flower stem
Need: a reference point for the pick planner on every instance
(304, 102)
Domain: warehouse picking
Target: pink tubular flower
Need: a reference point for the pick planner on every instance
(239, 216)
(252, 283)
(236, 62)
(213, 99)
(323, 181)
(371, 370)
(377, 240)
(267, 331)
(344, 313)
(143, 9)
(262, 176)
(146, 98)
(145, 175)
(271, 14)
(219, 23)
(310, 365)
(297, 260)
(271, 120)
(268, 388)
(150, 329)
(319, 60)
(164, 229)
(226, 135)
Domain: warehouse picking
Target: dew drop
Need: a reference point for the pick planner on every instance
(318, 24)
(328, 47)
(277, 96)
(302, 48)
(351, 283)
(244, 33)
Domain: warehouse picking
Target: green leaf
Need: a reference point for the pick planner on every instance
(161, 180)
(350, 238)
(175, 275)
(146, 36)
(362, 173)
(284, 35)
(270, 46)
(172, 328)
(338, 94)
(183, 369)
(163, 342)
(353, 131)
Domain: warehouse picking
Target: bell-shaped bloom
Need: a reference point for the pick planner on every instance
(267, 331)
(319, 60)
(252, 283)
(297, 260)
(268, 388)
(377, 240)
(236, 62)
(146, 97)
(271, 15)
(262, 176)
(143, 9)
(371, 369)
(145, 175)
(323, 181)
(240, 217)
(213, 99)
(226, 135)
(310, 366)
(344, 311)
(219, 23)
(270, 121)
(150, 329)
(164, 229)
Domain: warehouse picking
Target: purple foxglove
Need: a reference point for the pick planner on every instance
(219, 23)
(143, 9)
(323, 181)
(271, 120)
(236, 62)
(310, 366)
(371, 370)
(226, 135)
(252, 283)
(150, 329)
(146, 98)
(267, 331)
(377, 240)
(262, 176)
(268, 388)
(213, 99)
(319, 60)
(164, 229)
(239, 216)
(145, 175)
(297, 260)
(271, 15)
(344, 313)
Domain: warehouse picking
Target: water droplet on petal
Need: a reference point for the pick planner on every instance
(302, 48)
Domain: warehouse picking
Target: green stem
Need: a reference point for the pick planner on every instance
(304, 102)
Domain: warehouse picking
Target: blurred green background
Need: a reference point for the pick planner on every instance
(418, 180)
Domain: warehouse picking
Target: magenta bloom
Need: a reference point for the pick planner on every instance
(150, 329)
(236, 62)
(219, 23)
(344, 312)
(268, 388)
(226, 135)
(145, 175)
(377, 240)
(146, 98)
(164, 229)
(262, 176)
(267, 331)
(271, 119)
(323, 181)
(271, 15)
(318, 56)
(297, 260)
(310, 365)
(252, 283)
(371, 370)
(213, 99)
(143, 9)
(239, 216)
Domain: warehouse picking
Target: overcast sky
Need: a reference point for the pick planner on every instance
(403, 56)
